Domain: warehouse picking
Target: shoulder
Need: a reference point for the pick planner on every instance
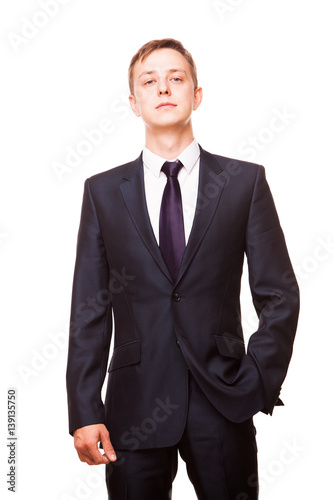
(115, 175)
(238, 173)
(233, 164)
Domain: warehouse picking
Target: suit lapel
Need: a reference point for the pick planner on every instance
(211, 185)
(133, 193)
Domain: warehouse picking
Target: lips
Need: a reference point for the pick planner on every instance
(166, 105)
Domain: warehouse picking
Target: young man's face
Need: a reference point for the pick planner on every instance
(164, 93)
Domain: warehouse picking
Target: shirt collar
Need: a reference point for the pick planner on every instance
(188, 157)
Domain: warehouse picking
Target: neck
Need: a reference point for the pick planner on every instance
(169, 143)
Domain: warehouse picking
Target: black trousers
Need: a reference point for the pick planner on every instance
(220, 457)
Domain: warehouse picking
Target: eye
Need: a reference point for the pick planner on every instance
(149, 82)
(177, 79)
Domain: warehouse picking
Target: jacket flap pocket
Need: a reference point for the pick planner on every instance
(125, 355)
(232, 348)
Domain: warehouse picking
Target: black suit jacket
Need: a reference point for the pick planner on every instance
(162, 328)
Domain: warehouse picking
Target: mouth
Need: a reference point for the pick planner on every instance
(165, 105)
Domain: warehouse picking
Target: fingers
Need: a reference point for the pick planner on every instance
(86, 444)
(88, 452)
(107, 447)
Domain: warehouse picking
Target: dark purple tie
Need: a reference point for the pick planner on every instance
(172, 236)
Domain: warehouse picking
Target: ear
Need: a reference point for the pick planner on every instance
(134, 105)
(197, 98)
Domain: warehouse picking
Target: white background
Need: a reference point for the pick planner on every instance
(255, 58)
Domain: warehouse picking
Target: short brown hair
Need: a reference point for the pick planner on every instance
(164, 43)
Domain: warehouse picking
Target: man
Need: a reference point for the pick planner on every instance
(161, 247)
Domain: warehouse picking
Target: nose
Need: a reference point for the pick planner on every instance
(163, 88)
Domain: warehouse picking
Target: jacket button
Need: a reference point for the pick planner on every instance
(177, 342)
(176, 297)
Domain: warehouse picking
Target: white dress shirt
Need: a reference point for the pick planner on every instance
(155, 181)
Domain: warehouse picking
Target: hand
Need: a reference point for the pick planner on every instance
(86, 444)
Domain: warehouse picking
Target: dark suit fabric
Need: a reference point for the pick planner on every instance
(220, 457)
(165, 328)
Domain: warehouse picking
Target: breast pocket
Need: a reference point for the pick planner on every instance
(125, 355)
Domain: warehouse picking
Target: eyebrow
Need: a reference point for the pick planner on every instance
(172, 70)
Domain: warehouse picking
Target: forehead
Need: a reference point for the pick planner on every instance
(161, 61)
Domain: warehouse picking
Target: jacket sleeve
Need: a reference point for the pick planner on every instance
(274, 292)
(90, 322)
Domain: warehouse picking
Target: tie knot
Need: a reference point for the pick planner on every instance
(172, 168)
